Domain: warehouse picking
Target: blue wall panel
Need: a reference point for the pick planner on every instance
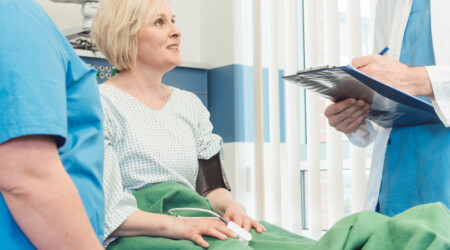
(230, 99)
(190, 79)
(222, 101)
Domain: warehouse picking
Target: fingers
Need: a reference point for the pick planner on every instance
(216, 232)
(220, 232)
(242, 220)
(353, 127)
(348, 115)
(247, 224)
(359, 62)
(352, 122)
(362, 61)
(363, 109)
(230, 233)
(339, 107)
(258, 227)
(208, 227)
(200, 241)
(238, 219)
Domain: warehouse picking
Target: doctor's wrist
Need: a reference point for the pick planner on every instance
(420, 82)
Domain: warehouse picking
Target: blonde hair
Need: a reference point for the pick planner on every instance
(116, 26)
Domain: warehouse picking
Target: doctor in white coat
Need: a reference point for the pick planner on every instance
(411, 165)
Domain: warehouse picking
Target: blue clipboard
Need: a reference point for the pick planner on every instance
(389, 106)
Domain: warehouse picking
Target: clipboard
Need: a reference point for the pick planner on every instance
(390, 107)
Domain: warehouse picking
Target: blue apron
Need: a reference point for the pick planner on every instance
(417, 162)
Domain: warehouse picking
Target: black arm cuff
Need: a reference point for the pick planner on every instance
(211, 176)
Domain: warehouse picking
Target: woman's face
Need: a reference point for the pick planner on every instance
(159, 41)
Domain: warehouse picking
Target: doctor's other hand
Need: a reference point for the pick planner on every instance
(194, 228)
(411, 80)
(347, 116)
(237, 213)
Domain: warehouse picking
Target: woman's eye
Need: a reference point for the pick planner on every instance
(159, 22)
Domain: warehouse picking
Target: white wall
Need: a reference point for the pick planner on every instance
(227, 32)
(65, 15)
(189, 19)
(217, 28)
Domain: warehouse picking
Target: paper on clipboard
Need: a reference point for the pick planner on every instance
(389, 107)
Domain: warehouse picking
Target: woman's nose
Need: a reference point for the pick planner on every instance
(176, 33)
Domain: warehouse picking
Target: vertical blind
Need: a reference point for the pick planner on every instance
(334, 138)
(280, 183)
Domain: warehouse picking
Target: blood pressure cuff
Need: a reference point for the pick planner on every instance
(211, 176)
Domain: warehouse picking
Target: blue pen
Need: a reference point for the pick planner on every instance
(384, 51)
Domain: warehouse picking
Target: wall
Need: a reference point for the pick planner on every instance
(65, 15)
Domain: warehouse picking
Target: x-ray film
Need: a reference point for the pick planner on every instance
(389, 107)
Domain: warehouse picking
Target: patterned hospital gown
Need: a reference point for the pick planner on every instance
(144, 147)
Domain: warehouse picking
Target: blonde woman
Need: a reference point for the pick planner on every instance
(154, 133)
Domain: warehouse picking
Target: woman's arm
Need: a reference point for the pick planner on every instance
(208, 145)
(142, 223)
(41, 196)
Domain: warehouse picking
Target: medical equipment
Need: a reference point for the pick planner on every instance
(88, 10)
(211, 176)
(80, 39)
(243, 236)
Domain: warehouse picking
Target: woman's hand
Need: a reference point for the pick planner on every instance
(347, 116)
(236, 212)
(231, 210)
(161, 225)
(194, 228)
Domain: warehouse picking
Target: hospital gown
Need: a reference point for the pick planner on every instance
(144, 147)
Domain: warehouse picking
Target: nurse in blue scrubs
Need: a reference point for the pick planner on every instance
(51, 137)
(410, 165)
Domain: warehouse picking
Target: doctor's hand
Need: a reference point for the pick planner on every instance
(411, 80)
(236, 212)
(347, 116)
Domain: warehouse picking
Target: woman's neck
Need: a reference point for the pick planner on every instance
(142, 80)
(145, 86)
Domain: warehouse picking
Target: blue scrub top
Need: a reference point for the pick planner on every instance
(417, 162)
(45, 89)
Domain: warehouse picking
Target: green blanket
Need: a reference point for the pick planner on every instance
(422, 227)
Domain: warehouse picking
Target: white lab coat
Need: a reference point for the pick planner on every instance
(390, 25)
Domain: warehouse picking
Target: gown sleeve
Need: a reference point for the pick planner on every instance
(119, 203)
(207, 143)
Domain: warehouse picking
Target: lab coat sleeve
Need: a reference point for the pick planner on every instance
(380, 28)
(364, 135)
(440, 81)
(119, 204)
